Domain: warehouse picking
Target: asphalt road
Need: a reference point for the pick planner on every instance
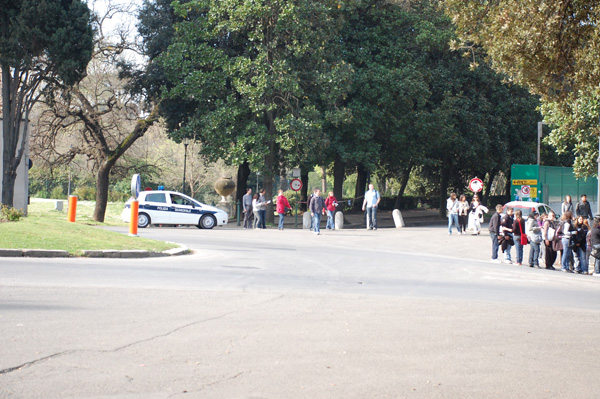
(409, 313)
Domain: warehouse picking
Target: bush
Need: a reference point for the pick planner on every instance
(42, 194)
(11, 214)
(85, 193)
(57, 193)
(116, 196)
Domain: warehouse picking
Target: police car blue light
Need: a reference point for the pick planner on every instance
(171, 207)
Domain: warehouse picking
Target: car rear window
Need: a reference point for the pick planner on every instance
(156, 197)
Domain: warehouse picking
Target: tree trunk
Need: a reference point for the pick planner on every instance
(10, 137)
(361, 184)
(242, 182)
(488, 188)
(270, 165)
(403, 184)
(102, 181)
(339, 173)
(304, 190)
(324, 181)
(445, 178)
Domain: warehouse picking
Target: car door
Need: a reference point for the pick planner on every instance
(183, 211)
(157, 207)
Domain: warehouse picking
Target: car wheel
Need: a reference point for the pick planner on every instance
(143, 220)
(207, 222)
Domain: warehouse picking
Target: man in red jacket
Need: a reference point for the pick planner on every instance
(282, 204)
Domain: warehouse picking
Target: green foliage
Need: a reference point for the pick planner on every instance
(10, 214)
(85, 193)
(57, 192)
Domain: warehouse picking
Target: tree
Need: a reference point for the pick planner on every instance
(251, 67)
(107, 118)
(552, 48)
(39, 40)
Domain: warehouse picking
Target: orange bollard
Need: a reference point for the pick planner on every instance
(133, 222)
(72, 208)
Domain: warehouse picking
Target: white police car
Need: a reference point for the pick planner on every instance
(170, 207)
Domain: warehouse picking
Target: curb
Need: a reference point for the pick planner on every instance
(107, 253)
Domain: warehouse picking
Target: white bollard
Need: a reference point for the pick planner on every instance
(398, 220)
(339, 220)
(58, 206)
(306, 220)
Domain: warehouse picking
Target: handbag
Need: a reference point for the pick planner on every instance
(523, 236)
(596, 251)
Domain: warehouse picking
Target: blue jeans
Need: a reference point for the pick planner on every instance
(316, 221)
(372, 217)
(280, 221)
(534, 254)
(330, 220)
(507, 253)
(566, 255)
(453, 220)
(262, 222)
(582, 265)
(596, 265)
(519, 248)
(495, 245)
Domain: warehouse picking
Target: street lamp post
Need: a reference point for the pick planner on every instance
(185, 142)
(539, 140)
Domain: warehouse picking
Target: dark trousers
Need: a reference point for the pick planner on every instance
(463, 220)
(550, 256)
(248, 219)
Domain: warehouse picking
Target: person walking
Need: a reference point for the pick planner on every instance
(316, 206)
(477, 210)
(494, 229)
(584, 209)
(566, 228)
(506, 232)
(330, 205)
(534, 235)
(549, 235)
(463, 214)
(452, 208)
(247, 208)
(519, 236)
(370, 203)
(282, 205)
(567, 205)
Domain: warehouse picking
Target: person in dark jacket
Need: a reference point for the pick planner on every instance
(494, 229)
(506, 234)
(584, 209)
(316, 208)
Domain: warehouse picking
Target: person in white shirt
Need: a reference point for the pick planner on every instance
(452, 208)
(370, 203)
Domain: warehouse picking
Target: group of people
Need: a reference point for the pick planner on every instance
(255, 208)
(464, 215)
(574, 239)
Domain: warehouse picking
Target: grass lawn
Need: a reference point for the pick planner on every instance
(45, 228)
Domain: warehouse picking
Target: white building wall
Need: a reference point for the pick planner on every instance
(21, 197)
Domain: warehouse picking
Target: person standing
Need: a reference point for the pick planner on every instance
(506, 232)
(452, 208)
(330, 205)
(262, 210)
(494, 228)
(519, 236)
(371, 202)
(316, 207)
(566, 229)
(584, 209)
(463, 214)
(256, 210)
(282, 205)
(247, 208)
(534, 235)
(579, 241)
(595, 241)
(549, 235)
(567, 205)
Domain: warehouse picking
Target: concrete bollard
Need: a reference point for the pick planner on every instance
(398, 220)
(306, 220)
(58, 206)
(339, 220)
